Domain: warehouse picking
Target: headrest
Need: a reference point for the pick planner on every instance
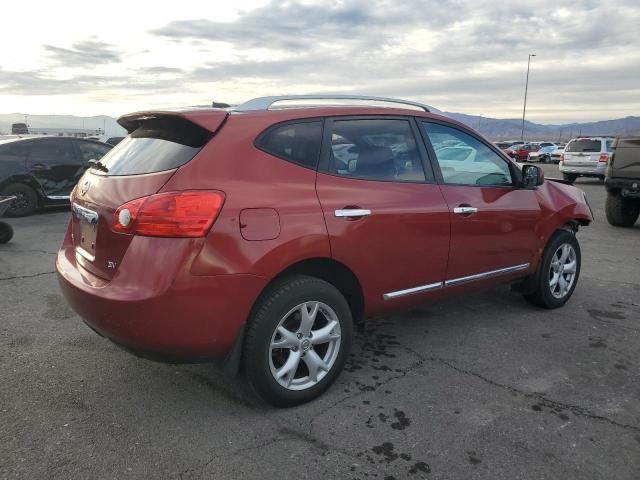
(374, 155)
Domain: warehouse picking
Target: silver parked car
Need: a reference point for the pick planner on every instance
(586, 157)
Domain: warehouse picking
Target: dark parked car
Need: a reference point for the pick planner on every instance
(43, 171)
(241, 234)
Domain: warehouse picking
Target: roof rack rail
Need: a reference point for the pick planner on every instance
(264, 103)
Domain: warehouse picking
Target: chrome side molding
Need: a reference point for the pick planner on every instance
(454, 281)
(59, 197)
(482, 276)
(412, 291)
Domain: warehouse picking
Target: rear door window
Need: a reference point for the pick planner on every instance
(53, 152)
(375, 149)
(583, 145)
(158, 144)
(296, 142)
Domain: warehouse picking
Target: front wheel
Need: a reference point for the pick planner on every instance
(569, 177)
(620, 211)
(558, 271)
(298, 340)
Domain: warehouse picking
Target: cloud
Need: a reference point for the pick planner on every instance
(456, 52)
(84, 53)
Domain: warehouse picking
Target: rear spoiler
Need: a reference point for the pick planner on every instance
(209, 119)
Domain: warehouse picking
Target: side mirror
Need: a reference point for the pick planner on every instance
(532, 176)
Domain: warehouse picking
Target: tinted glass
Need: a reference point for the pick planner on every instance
(157, 145)
(464, 160)
(609, 145)
(14, 151)
(92, 150)
(583, 145)
(52, 152)
(296, 142)
(375, 149)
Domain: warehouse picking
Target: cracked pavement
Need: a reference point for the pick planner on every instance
(480, 387)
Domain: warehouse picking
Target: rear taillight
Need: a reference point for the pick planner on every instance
(562, 157)
(604, 157)
(172, 214)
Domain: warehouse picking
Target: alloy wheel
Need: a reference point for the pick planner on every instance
(304, 345)
(562, 273)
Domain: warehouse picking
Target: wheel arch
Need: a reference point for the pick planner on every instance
(328, 269)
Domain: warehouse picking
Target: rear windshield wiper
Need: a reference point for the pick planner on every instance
(98, 165)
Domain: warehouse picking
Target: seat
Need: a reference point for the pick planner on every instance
(376, 163)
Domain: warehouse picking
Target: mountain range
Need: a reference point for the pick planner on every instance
(493, 128)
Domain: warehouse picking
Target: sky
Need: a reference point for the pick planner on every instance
(468, 56)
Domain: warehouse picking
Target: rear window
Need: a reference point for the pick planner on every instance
(295, 142)
(583, 145)
(158, 144)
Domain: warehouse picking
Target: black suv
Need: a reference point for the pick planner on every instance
(43, 171)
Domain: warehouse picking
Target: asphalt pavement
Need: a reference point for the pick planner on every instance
(480, 387)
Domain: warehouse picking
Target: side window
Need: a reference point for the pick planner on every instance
(375, 149)
(296, 142)
(609, 146)
(464, 160)
(92, 151)
(14, 151)
(52, 152)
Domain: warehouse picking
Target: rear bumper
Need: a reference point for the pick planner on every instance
(596, 170)
(187, 318)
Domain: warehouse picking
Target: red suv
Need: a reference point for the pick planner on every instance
(259, 234)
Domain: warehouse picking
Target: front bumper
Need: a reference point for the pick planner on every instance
(187, 318)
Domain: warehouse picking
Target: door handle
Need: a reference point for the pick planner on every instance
(38, 166)
(352, 212)
(464, 210)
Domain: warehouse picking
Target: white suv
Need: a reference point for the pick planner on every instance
(586, 157)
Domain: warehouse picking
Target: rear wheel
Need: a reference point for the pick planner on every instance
(558, 271)
(6, 232)
(569, 177)
(26, 200)
(621, 212)
(298, 340)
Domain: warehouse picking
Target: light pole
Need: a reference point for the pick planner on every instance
(526, 87)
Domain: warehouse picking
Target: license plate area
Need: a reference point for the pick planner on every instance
(88, 223)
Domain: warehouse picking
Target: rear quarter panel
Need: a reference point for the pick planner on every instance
(253, 179)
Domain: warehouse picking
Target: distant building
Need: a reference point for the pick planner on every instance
(67, 132)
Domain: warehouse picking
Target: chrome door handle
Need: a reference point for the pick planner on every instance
(352, 212)
(464, 210)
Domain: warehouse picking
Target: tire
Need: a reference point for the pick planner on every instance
(553, 285)
(279, 310)
(569, 177)
(25, 203)
(621, 212)
(6, 232)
